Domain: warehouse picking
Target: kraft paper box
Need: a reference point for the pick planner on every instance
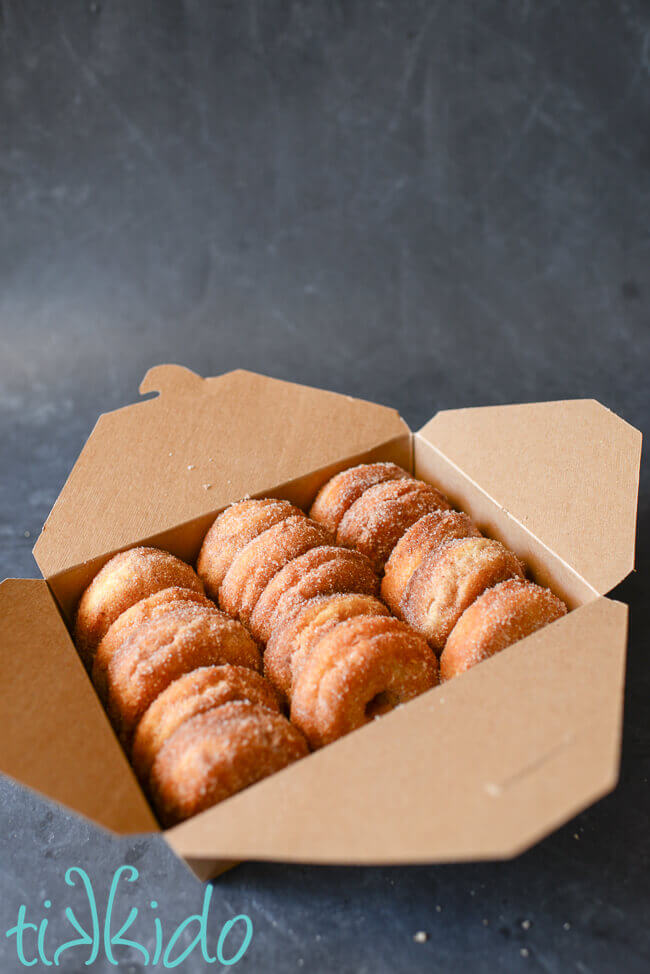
(481, 767)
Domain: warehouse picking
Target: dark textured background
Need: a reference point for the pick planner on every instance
(426, 204)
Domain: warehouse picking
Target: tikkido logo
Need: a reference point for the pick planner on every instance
(105, 934)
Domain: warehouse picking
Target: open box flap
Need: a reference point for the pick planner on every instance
(567, 471)
(480, 767)
(55, 735)
(199, 445)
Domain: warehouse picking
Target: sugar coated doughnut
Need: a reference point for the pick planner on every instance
(216, 754)
(232, 530)
(292, 641)
(320, 571)
(423, 537)
(195, 693)
(359, 670)
(166, 648)
(500, 617)
(449, 579)
(262, 558)
(378, 519)
(144, 610)
(128, 577)
(340, 493)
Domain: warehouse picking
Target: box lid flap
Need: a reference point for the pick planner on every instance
(193, 449)
(568, 471)
(55, 735)
(480, 767)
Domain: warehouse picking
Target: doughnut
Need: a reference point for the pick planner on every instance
(262, 558)
(361, 669)
(320, 571)
(423, 537)
(339, 494)
(128, 577)
(233, 529)
(449, 579)
(195, 693)
(292, 642)
(216, 754)
(149, 608)
(166, 648)
(500, 617)
(378, 519)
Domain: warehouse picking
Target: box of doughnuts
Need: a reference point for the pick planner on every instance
(274, 623)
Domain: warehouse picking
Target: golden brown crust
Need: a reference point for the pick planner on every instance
(423, 537)
(359, 670)
(292, 642)
(128, 577)
(500, 617)
(195, 693)
(320, 571)
(262, 558)
(449, 579)
(166, 648)
(232, 531)
(153, 606)
(216, 754)
(378, 519)
(342, 490)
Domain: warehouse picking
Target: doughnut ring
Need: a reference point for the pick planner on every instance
(500, 617)
(233, 529)
(128, 577)
(449, 579)
(164, 649)
(144, 610)
(340, 493)
(262, 558)
(320, 571)
(195, 693)
(292, 642)
(427, 534)
(378, 519)
(216, 754)
(361, 669)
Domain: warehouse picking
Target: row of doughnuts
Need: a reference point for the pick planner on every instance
(333, 651)
(181, 683)
(467, 594)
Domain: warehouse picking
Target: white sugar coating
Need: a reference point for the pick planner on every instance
(342, 490)
(323, 570)
(378, 519)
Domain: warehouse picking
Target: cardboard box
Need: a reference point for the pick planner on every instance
(481, 767)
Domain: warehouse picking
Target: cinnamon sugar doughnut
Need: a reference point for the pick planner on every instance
(144, 610)
(339, 494)
(195, 693)
(449, 579)
(166, 648)
(216, 754)
(232, 530)
(378, 519)
(430, 532)
(264, 556)
(320, 571)
(361, 669)
(292, 642)
(500, 617)
(128, 577)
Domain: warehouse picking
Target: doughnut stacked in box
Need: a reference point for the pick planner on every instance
(371, 600)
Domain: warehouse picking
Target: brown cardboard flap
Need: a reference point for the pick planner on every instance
(567, 471)
(196, 447)
(55, 736)
(480, 767)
